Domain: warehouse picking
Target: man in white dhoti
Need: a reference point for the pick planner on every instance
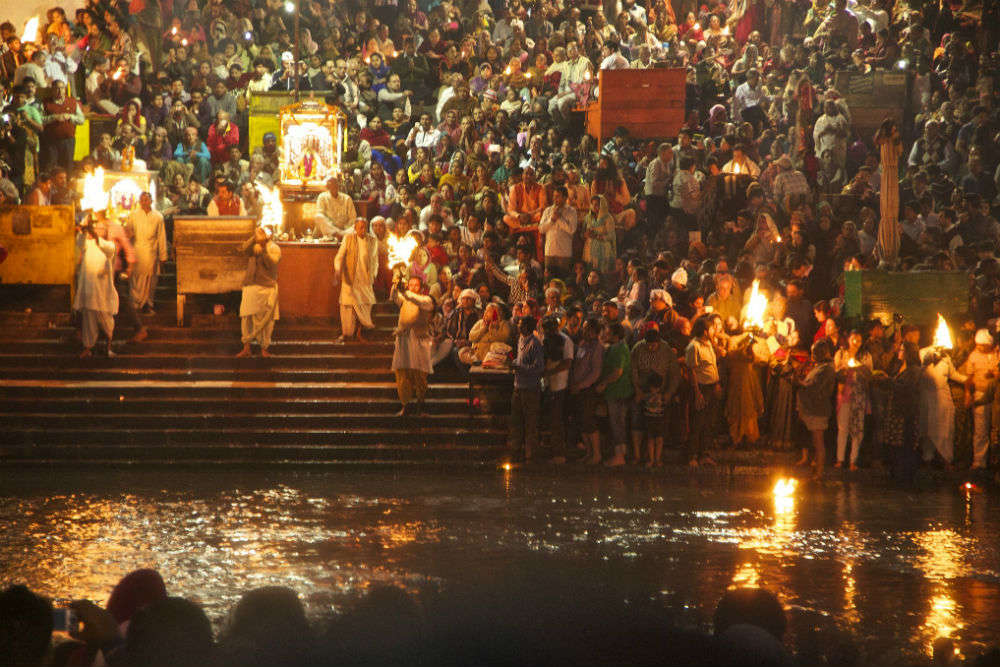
(149, 239)
(356, 265)
(335, 211)
(411, 360)
(259, 306)
(937, 413)
(96, 297)
(981, 368)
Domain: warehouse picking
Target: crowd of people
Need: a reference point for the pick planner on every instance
(613, 279)
(570, 623)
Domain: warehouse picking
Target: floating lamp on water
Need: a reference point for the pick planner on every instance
(784, 495)
(942, 335)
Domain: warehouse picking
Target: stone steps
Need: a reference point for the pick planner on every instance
(181, 398)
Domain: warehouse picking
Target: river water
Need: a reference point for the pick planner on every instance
(891, 569)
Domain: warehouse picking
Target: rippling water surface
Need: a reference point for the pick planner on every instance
(894, 570)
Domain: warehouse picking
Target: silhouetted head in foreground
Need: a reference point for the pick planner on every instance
(169, 632)
(751, 606)
(25, 627)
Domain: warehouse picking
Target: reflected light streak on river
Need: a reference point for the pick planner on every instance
(896, 570)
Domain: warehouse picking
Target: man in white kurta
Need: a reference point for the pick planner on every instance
(335, 213)
(981, 367)
(937, 409)
(149, 239)
(831, 133)
(356, 265)
(411, 360)
(96, 297)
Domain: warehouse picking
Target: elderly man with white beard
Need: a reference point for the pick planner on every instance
(356, 265)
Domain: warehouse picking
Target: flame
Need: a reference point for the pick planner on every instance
(736, 167)
(851, 363)
(696, 26)
(173, 31)
(273, 212)
(784, 495)
(725, 31)
(30, 33)
(942, 336)
(184, 42)
(777, 239)
(117, 75)
(756, 307)
(507, 71)
(400, 249)
(587, 75)
(94, 197)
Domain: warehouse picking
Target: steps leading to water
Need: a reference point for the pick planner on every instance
(182, 398)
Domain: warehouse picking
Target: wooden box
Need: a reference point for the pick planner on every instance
(209, 260)
(649, 103)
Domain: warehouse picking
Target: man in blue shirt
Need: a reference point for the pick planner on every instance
(525, 404)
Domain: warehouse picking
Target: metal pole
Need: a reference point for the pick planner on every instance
(296, 51)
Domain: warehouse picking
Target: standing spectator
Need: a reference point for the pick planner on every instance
(701, 360)
(854, 373)
(559, 352)
(981, 369)
(651, 357)
(558, 224)
(528, 366)
(659, 178)
(588, 361)
(814, 401)
(616, 387)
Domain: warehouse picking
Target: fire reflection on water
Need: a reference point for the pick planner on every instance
(941, 563)
(838, 558)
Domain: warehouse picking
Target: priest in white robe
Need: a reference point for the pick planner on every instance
(149, 238)
(937, 413)
(96, 298)
(356, 265)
